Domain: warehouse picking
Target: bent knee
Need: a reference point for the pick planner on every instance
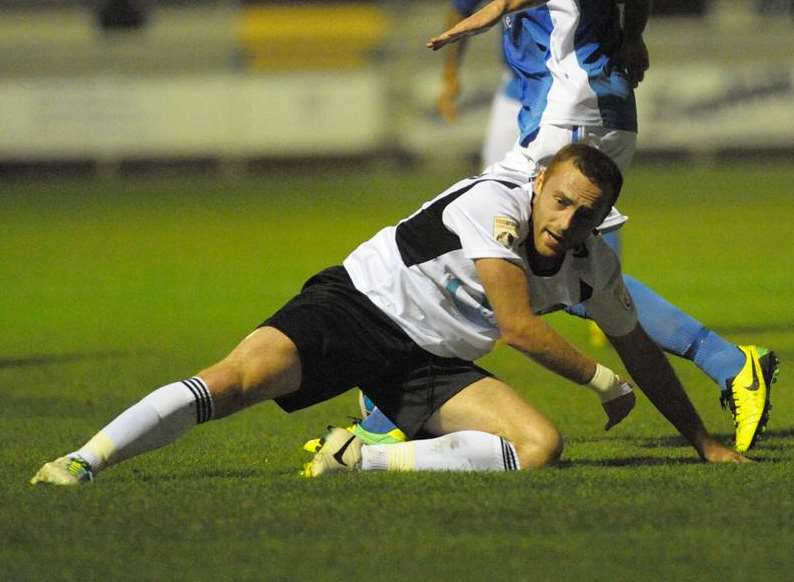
(541, 449)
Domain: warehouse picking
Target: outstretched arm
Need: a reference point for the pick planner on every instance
(655, 377)
(508, 293)
(481, 21)
(507, 289)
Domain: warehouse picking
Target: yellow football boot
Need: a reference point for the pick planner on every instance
(365, 437)
(749, 395)
(340, 451)
(64, 471)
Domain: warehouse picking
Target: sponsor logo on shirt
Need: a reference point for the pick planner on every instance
(505, 231)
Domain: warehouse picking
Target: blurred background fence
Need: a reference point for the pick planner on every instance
(99, 86)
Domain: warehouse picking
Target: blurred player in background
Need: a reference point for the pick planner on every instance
(502, 131)
(407, 315)
(573, 68)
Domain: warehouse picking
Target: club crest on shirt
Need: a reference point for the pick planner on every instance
(623, 296)
(505, 230)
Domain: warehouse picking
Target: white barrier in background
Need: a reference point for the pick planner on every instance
(692, 108)
(216, 115)
(709, 107)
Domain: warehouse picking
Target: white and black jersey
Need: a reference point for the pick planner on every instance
(422, 274)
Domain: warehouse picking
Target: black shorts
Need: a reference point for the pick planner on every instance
(344, 340)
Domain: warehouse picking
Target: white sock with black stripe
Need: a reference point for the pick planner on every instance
(155, 421)
(466, 450)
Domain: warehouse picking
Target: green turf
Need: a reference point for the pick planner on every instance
(110, 289)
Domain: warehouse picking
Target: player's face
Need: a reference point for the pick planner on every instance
(565, 210)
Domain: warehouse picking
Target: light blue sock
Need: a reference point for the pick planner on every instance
(377, 422)
(680, 334)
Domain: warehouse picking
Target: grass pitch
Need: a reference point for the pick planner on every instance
(110, 289)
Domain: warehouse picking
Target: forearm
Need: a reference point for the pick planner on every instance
(486, 17)
(635, 17)
(540, 342)
(653, 374)
(507, 289)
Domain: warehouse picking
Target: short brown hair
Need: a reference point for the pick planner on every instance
(598, 167)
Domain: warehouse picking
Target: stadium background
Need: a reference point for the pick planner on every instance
(228, 84)
(164, 187)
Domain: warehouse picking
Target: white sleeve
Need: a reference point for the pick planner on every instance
(489, 222)
(612, 307)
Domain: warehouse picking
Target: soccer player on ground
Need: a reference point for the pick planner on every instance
(407, 315)
(577, 68)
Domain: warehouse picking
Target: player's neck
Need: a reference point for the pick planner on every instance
(541, 265)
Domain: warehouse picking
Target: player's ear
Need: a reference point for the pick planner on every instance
(539, 179)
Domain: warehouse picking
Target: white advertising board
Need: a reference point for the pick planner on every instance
(268, 115)
(708, 107)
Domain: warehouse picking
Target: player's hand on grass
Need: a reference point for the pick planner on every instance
(633, 59)
(618, 409)
(713, 451)
(478, 22)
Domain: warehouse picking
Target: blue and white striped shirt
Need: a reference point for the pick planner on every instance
(564, 55)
